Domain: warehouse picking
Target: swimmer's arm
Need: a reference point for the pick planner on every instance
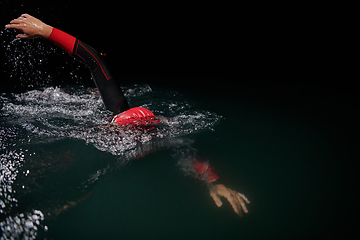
(217, 189)
(236, 199)
(33, 28)
(30, 26)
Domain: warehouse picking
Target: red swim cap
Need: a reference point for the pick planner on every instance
(135, 116)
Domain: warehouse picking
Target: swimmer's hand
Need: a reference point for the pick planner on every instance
(32, 27)
(237, 200)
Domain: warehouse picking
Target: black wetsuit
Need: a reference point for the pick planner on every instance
(107, 85)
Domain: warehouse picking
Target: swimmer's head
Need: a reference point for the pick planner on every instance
(135, 116)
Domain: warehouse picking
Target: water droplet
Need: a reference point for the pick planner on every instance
(29, 224)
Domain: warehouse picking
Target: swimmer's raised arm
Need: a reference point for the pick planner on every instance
(110, 91)
(32, 27)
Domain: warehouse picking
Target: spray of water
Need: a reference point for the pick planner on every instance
(38, 117)
(30, 64)
(53, 114)
(49, 114)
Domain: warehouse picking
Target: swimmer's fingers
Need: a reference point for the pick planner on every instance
(240, 198)
(237, 200)
(32, 27)
(216, 198)
(16, 21)
(219, 190)
(13, 25)
(22, 18)
(234, 202)
(19, 25)
(25, 36)
(243, 197)
(25, 15)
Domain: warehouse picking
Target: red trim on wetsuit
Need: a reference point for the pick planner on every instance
(205, 171)
(63, 40)
(67, 42)
(135, 116)
(97, 60)
(109, 88)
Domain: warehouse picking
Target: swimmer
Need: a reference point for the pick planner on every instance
(114, 99)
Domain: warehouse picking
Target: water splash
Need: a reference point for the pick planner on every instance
(9, 165)
(54, 114)
(29, 63)
(35, 118)
(22, 225)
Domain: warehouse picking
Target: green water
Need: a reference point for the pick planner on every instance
(284, 161)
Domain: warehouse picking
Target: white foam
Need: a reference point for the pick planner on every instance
(53, 113)
(39, 116)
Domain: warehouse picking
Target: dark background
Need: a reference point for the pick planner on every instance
(286, 57)
(199, 42)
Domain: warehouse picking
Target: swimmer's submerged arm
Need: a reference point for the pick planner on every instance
(236, 199)
(217, 189)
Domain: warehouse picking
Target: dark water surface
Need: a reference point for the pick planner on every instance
(62, 177)
(288, 146)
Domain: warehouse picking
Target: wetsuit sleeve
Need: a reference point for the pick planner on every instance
(194, 165)
(108, 87)
(205, 172)
(63, 40)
